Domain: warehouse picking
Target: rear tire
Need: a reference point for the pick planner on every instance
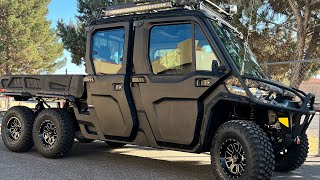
(115, 144)
(241, 150)
(294, 157)
(53, 133)
(16, 129)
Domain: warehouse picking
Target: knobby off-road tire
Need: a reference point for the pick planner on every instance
(243, 144)
(53, 133)
(294, 157)
(16, 129)
(79, 136)
(115, 144)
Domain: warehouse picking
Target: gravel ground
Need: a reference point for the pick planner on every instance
(99, 161)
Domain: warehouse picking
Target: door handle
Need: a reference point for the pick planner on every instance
(203, 82)
(138, 80)
(117, 86)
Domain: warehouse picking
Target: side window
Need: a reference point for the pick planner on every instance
(170, 50)
(204, 52)
(107, 51)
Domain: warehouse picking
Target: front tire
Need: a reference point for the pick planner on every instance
(53, 133)
(16, 129)
(241, 150)
(294, 156)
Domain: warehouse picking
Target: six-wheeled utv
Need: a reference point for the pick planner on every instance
(166, 74)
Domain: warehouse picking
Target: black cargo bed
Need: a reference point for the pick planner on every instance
(43, 85)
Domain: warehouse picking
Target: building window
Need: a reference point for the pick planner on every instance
(204, 52)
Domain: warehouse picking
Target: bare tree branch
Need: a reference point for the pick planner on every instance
(295, 8)
(306, 15)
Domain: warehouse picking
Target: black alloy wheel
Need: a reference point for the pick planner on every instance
(48, 133)
(232, 158)
(13, 129)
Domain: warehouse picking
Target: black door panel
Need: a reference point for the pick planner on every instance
(109, 89)
(172, 108)
(111, 105)
(175, 85)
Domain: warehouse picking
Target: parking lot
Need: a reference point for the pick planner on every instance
(99, 161)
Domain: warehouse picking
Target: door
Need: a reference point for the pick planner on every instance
(109, 88)
(179, 73)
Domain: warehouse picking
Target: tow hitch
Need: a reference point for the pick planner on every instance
(297, 140)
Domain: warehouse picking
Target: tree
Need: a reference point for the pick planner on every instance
(27, 44)
(306, 15)
(73, 35)
(282, 31)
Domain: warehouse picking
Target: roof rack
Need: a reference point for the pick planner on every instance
(144, 6)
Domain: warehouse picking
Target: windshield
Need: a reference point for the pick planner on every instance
(239, 51)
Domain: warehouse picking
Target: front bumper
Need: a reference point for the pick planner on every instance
(298, 117)
(300, 123)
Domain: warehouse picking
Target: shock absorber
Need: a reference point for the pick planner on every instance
(252, 114)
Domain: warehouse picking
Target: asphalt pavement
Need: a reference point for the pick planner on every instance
(99, 161)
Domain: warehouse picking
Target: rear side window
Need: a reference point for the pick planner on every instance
(170, 50)
(107, 52)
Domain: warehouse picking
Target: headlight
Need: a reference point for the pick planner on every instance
(234, 86)
(263, 91)
(268, 93)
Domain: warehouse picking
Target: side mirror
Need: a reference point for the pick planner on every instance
(216, 69)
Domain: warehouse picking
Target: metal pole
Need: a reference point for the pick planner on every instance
(319, 135)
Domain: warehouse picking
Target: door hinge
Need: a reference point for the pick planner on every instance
(88, 79)
(137, 23)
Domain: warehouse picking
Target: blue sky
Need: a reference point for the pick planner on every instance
(66, 10)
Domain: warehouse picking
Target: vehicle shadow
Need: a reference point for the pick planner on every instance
(180, 166)
(146, 161)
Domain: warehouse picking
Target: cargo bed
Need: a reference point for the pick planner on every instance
(46, 86)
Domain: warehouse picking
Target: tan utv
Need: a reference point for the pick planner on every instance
(166, 74)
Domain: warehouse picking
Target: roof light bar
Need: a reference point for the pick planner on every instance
(142, 6)
(137, 8)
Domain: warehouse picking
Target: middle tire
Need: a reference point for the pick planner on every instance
(53, 133)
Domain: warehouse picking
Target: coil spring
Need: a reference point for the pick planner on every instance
(252, 114)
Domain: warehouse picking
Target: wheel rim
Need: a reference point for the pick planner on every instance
(14, 129)
(232, 158)
(48, 133)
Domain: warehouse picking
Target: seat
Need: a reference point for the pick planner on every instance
(104, 53)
